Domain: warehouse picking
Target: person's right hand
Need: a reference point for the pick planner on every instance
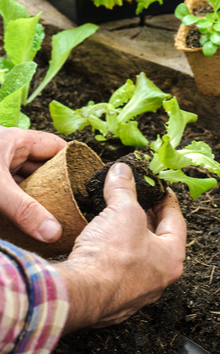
(121, 261)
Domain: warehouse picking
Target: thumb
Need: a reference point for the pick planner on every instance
(119, 184)
(26, 213)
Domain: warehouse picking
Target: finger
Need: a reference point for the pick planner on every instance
(119, 184)
(22, 144)
(150, 220)
(169, 219)
(28, 167)
(25, 212)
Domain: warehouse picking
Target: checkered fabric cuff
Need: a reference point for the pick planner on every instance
(33, 302)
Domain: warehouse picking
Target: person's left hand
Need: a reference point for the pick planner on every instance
(21, 153)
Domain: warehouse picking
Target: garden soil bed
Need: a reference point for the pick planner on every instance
(191, 305)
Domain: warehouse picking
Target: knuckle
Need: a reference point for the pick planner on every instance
(177, 271)
(26, 213)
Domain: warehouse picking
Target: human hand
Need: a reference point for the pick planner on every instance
(123, 259)
(21, 153)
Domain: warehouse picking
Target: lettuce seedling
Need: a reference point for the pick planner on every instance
(142, 4)
(209, 25)
(124, 105)
(23, 36)
(168, 162)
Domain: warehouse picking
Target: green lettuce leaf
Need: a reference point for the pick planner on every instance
(146, 98)
(177, 121)
(197, 186)
(11, 10)
(67, 121)
(144, 4)
(200, 154)
(5, 67)
(20, 40)
(155, 145)
(156, 165)
(62, 45)
(17, 78)
(109, 4)
(123, 94)
(130, 135)
(23, 121)
(170, 157)
(10, 109)
(10, 93)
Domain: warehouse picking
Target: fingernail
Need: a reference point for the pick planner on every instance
(122, 170)
(49, 229)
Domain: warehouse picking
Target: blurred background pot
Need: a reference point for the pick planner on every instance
(206, 70)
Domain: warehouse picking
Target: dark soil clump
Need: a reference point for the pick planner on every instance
(147, 195)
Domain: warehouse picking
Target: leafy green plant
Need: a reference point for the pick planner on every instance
(23, 36)
(142, 4)
(208, 26)
(166, 161)
(124, 105)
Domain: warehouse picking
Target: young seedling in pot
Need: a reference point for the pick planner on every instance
(159, 161)
(208, 26)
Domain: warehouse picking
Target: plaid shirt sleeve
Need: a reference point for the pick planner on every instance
(33, 302)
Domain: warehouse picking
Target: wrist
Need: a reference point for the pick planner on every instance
(88, 294)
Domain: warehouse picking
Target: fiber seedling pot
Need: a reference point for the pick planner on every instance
(83, 11)
(206, 70)
(55, 185)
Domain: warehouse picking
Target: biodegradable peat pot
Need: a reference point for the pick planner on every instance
(54, 185)
(206, 70)
(82, 11)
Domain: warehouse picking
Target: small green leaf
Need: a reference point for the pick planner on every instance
(100, 138)
(17, 78)
(189, 20)
(209, 49)
(147, 98)
(23, 121)
(203, 30)
(130, 135)
(10, 109)
(155, 145)
(123, 94)
(215, 38)
(65, 120)
(109, 4)
(203, 23)
(181, 11)
(216, 26)
(170, 158)
(150, 181)
(144, 4)
(197, 186)
(204, 39)
(137, 154)
(177, 121)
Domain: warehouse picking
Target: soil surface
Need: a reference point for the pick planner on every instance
(191, 305)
